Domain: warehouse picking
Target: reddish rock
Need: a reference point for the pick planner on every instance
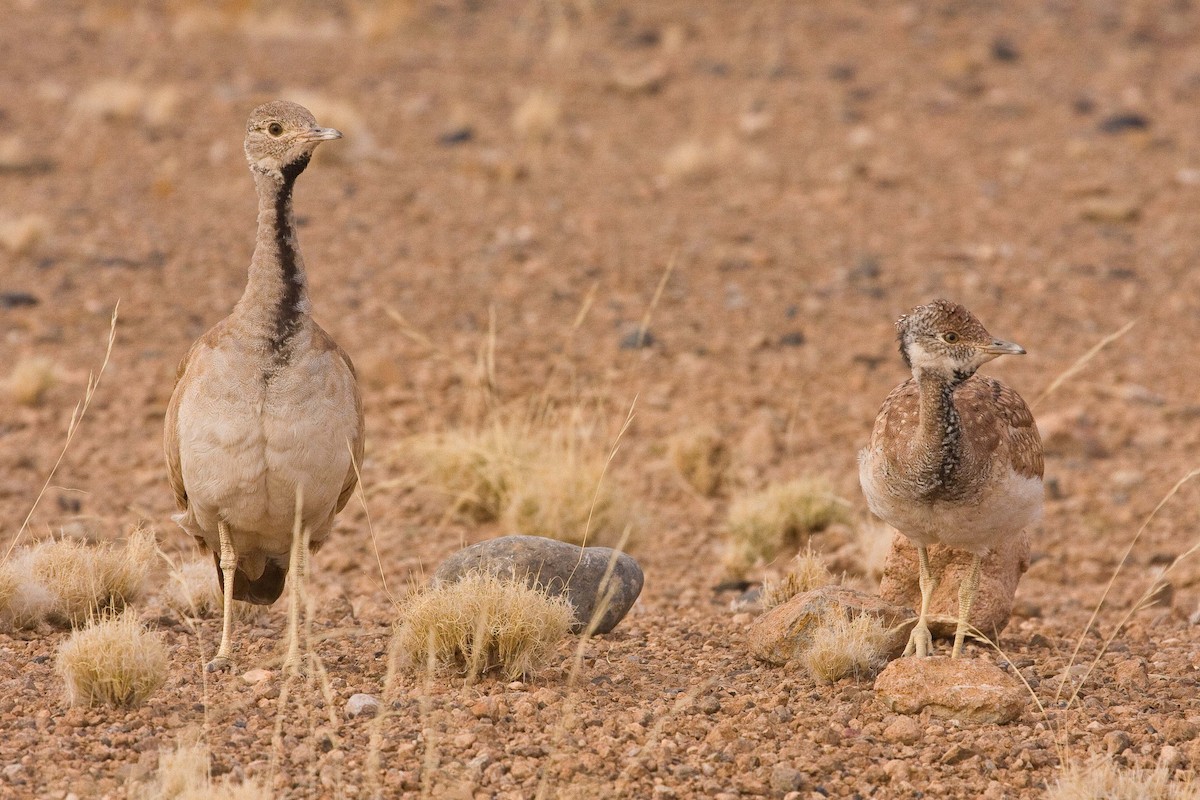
(785, 631)
(1001, 572)
(967, 689)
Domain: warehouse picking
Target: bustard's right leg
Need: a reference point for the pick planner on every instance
(229, 562)
(920, 641)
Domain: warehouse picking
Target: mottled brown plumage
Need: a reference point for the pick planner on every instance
(266, 414)
(954, 457)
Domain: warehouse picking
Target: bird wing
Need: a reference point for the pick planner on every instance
(999, 415)
(171, 431)
(323, 341)
(898, 418)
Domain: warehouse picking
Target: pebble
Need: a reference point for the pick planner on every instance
(257, 676)
(362, 705)
(1116, 742)
(1170, 758)
(904, 730)
(1131, 674)
(559, 568)
(966, 689)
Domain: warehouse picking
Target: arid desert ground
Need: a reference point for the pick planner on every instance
(521, 189)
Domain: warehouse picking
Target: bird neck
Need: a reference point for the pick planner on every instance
(940, 427)
(276, 296)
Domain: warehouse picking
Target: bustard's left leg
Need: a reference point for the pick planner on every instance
(920, 641)
(229, 562)
(966, 598)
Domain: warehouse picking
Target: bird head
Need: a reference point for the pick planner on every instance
(281, 136)
(945, 338)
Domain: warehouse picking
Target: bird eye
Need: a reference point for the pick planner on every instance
(275, 129)
(950, 337)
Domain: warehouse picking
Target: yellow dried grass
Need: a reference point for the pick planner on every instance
(114, 662)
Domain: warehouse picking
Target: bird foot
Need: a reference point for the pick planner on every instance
(920, 642)
(219, 664)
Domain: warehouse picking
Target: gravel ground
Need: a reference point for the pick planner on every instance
(809, 171)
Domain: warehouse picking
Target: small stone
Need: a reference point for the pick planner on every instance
(1116, 742)
(1170, 758)
(256, 676)
(786, 778)
(903, 730)
(1131, 674)
(17, 299)
(957, 754)
(1001, 572)
(1121, 123)
(558, 568)
(454, 136)
(971, 690)
(785, 631)
(1110, 209)
(362, 705)
(1179, 730)
(638, 339)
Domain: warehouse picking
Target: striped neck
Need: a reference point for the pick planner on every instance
(941, 433)
(276, 295)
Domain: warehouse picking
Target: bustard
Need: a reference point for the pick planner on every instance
(266, 407)
(955, 458)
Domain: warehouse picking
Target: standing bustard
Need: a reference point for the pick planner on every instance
(955, 458)
(266, 407)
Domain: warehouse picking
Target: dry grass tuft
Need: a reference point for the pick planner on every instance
(194, 592)
(480, 624)
(844, 646)
(20, 235)
(127, 100)
(30, 379)
(807, 571)
(23, 601)
(702, 457)
(183, 774)
(538, 116)
(542, 479)
(82, 580)
(783, 515)
(1101, 778)
(113, 662)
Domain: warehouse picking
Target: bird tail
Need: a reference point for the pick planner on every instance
(263, 590)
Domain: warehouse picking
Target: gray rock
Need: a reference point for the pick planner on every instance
(362, 705)
(558, 568)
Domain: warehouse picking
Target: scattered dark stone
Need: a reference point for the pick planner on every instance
(646, 38)
(717, 69)
(40, 659)
(638, 339)
(1003, 49)
(1120, 123)
(791, 312)
(733, 586)
(558, 568)
(68, 504)
(792, 339)
(868, 361)
(456, 136)
(17, 299)
(35, 167)
(1083, 105)
(841, 72)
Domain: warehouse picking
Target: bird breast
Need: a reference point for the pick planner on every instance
(249, 439)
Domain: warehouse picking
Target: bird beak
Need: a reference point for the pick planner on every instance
(320, 134)
(999, 347)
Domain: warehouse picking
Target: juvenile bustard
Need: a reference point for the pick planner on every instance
(955, 458)
(266, 406)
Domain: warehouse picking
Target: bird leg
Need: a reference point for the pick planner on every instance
(920, 641)
(966, 598)
(229, 562)
(297, 583)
